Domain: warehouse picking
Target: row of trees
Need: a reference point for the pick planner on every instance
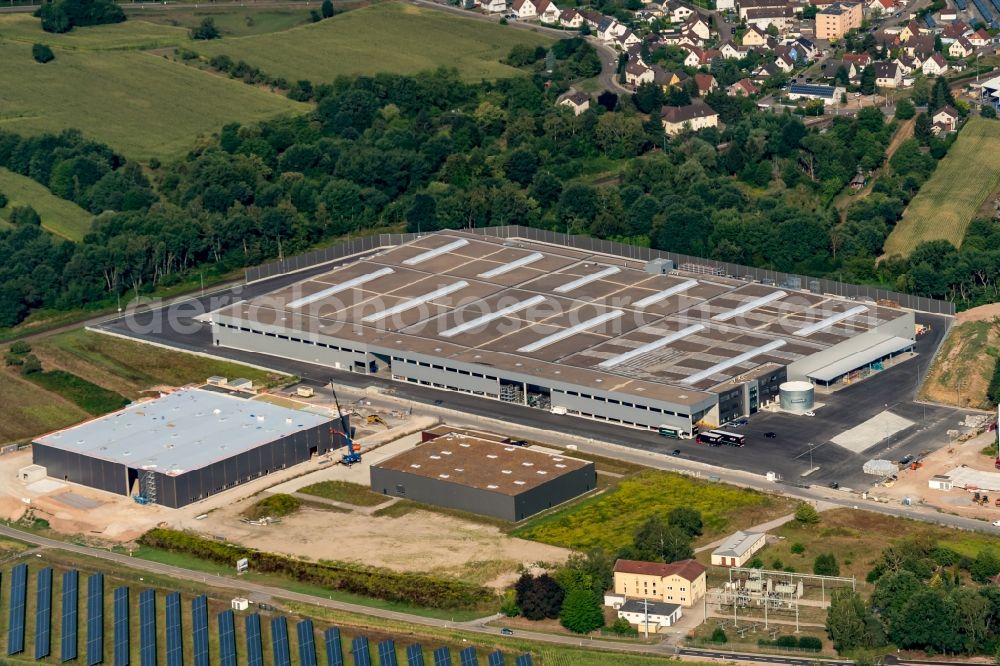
(64, 15)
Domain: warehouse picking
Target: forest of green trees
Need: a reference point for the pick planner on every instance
(432, 152)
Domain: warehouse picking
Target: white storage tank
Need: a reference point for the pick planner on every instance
(796, 397)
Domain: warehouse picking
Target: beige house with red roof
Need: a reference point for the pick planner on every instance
(680, 582)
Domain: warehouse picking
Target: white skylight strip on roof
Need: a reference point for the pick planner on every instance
(751, 305)
(436, 252)
(337, 288)
(414, 302)
(730, 362)
(666, 293)
(571, 331)
(830, 321)
(486, 318)
(586, 279)
(514, 265)
(650, 346)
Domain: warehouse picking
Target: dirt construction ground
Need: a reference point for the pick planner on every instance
(961, 373)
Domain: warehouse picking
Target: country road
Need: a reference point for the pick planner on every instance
(478, 626)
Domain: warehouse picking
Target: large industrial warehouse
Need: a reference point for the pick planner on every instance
(645, 345)
(185, 446)
(461, 470)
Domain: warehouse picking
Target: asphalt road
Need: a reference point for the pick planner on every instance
(257, 592)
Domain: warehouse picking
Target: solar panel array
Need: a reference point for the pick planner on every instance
(387, 653)
(981, 6)
(359, 649)
(43, 613)
(468, 657)
(175, 631)
(307, 643)
(147, 628)
(199, 628)
(95, 619)
(414, 655)
(227, 638)
(279, 642)
(121, 608)
(334, 651)
(961, 5)
(442, 657)
(18, 605)
(70, 615)
(255, 648)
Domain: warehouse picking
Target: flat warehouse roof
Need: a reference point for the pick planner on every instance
(558, 312)
(182, 431)
(483, 464)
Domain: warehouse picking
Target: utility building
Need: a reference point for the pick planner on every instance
(465, 472)
(185, 446)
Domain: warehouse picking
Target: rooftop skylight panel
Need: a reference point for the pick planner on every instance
(750, 305)
(730, 362)
(830, 321)
(492, 316)
(337, 288)
(436, 252)
(650, 346)
(416, 302)
(586, 279)
(571, 331)
(513, 265)
(666, 293)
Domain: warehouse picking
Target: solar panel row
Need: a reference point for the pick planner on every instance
(467, 657)
(255, 650)
(70, 613)
(227, 638)
(95, 619)
(523, 660)
(18, 605)
(359, 649)
(279, 642)
(334, 651)
(307, 643)
(147, 628)
(175, 631)
(121, 609)
(495, 659)
(442, 657)
(199, 629)
(387, 653)
(43, 614)
(415, 655)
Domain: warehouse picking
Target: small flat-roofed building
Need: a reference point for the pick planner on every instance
(462, 471)
(737, 550)
(185, 446)
(939, 482)
(652, 616)
(681, 582)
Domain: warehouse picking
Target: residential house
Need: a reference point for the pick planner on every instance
(649, 616)
(706, 83)
(888, 75)
(577, 101)
(821, 4)
(921, 45)
(591, 18)
(636, 74)
(626, 40)
(909, 31)
(806, 48)
(738, 548)
(729, 51)
(693, 57)
(570, 18)
(946, 118)
(698, 26)
(961, 48)
(683, 39)
(747, 5)
(860, 60)
(524, 8)
(742, 88)
(953, 31)
(725, 5)
(907, 64)
(677, 119)
(665, 78)
(754, 36)
(494, 6)
(609, 28)
(765, 72)
(547, 11)
(880, 7)
(648, 15)
(934, 66)
(785, 63)
(681, 583)
(834, 21)
(780, 17)
(831, 67)
(676, 11)
(979, 38)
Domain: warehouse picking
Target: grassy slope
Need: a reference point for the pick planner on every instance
(390, 37)
(609, 520)
(344, 491)
(964, 366)
(61, 217)
(948, 201)
(143, 105)
(29, 410)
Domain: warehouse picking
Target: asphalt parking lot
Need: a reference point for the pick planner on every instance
(801, 443)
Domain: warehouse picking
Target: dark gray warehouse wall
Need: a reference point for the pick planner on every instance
(178, 491)
(558, 490)
(87, 471)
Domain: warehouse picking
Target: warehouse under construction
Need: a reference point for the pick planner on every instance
(648, 345)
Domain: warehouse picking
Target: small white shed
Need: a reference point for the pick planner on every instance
(241, 604)
(32, 473)
(939, 482)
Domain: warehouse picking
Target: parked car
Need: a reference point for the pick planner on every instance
(996, 523)
(507, 632)
(834, 485)
(809, 413)
(770, 435)
(906, 460)
(675, 452)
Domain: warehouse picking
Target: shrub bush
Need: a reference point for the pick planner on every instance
(719, 635)
(3, 200)
(810, 643)
(20, 347)
(42, 53)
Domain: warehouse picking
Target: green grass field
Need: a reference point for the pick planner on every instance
(948, 201)
(61, 217)
(609, 520)
(391, 37)
(140, 104)
(30, 410)
(130, 35)
(344, 491)
(91, 398)
(230, 21)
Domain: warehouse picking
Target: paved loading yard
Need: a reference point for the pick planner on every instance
(787, 455)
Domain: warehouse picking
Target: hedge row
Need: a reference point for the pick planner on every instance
(417, 589)
(802, 643)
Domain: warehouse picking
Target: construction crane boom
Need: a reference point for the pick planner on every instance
(353, 454)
